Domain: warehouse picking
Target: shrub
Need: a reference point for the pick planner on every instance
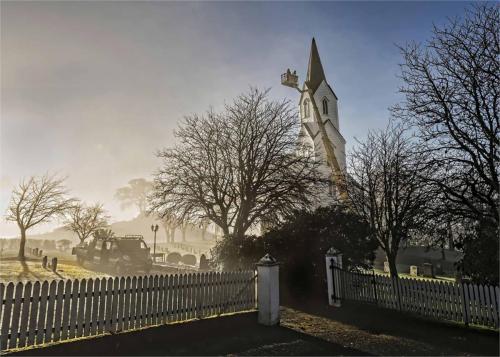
(300, 244)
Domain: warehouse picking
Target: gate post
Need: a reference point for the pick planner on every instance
(333, 268)
(268, 298)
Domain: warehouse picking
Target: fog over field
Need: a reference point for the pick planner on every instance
(92, 89)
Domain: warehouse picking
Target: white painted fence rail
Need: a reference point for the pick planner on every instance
(467, 303)
(34, 313)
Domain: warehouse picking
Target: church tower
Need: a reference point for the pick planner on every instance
(326, 102)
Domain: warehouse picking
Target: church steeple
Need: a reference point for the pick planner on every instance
(315, 73)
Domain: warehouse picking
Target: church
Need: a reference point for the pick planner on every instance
(326, 102)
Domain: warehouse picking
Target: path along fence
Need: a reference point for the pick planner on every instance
(34, 313)
(466, 303)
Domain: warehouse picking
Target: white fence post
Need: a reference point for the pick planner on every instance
(268, 291)
(333, 260)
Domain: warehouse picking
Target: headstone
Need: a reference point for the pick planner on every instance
(40, 252)
(44, 262)
(54, 264)
(188, 259)
(428, 270)
(413, 270)
(386, 267)
(204, 262)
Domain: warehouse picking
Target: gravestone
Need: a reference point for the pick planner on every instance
(413, 270)
(428, 270)
(54, 264)
(188, 259)
(203, 262)
(386, 267)
(44, 262)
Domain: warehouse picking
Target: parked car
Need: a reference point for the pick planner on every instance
(122, 254)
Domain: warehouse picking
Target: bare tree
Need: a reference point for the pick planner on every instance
(86, 220)
(35, 200)
(135, 194)
(386, 185)
(237, 166)
(451, 87)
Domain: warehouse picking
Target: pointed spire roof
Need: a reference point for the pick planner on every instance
(315, 73)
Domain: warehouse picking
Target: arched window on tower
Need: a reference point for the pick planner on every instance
(306, 108)
(325, 106)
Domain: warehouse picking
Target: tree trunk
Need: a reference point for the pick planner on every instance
(172, 234)
(167, 232)
(184, 228)
(22, 244)
(391, 259)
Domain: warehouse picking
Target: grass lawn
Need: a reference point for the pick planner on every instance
(404, 275)
(13, 270)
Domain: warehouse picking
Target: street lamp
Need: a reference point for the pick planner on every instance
(154, 228)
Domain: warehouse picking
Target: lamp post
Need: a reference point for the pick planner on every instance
(154, 228)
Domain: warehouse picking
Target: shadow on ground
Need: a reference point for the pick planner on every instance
(238, 334)
(415, 335)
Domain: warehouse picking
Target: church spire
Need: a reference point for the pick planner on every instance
(315, 73)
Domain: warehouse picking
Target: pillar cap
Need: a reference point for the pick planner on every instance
(333, 252)
(267, 260)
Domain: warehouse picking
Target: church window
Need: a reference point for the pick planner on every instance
(306, 108)
(325, 106)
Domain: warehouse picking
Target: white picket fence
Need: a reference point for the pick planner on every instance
(34, 313)
(467, 303)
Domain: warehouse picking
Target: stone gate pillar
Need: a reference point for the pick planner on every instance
(268, 298)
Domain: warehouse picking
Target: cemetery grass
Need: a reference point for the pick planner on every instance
(408, 276)
(13, 270)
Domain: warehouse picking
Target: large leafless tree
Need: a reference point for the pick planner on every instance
(387, 186)
(36, 200)
(451, 87)
(236, 167)
(86, 220)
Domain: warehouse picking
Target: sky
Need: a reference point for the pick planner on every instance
(91, 90)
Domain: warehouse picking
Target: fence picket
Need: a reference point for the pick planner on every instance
(175, 298)
(474, 295)
(66, 305)
(144, 301)
(126, 310)
(101, 315)
(166, 299)
(50, 311)
(7, 312)
(133, 303)
(14, 328)
(114, 304)
(121, 303)
(42, 312)
(171, 297)
(95, 306)
(149, 301)
(33, 314)
(74, 309)
(156, 296)
(58, 311)
(81, 307)
(191, 295)
(494, 306)
(109, 302)
(487, 304)
(89, 291)
(2, 292)
(24, 314)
